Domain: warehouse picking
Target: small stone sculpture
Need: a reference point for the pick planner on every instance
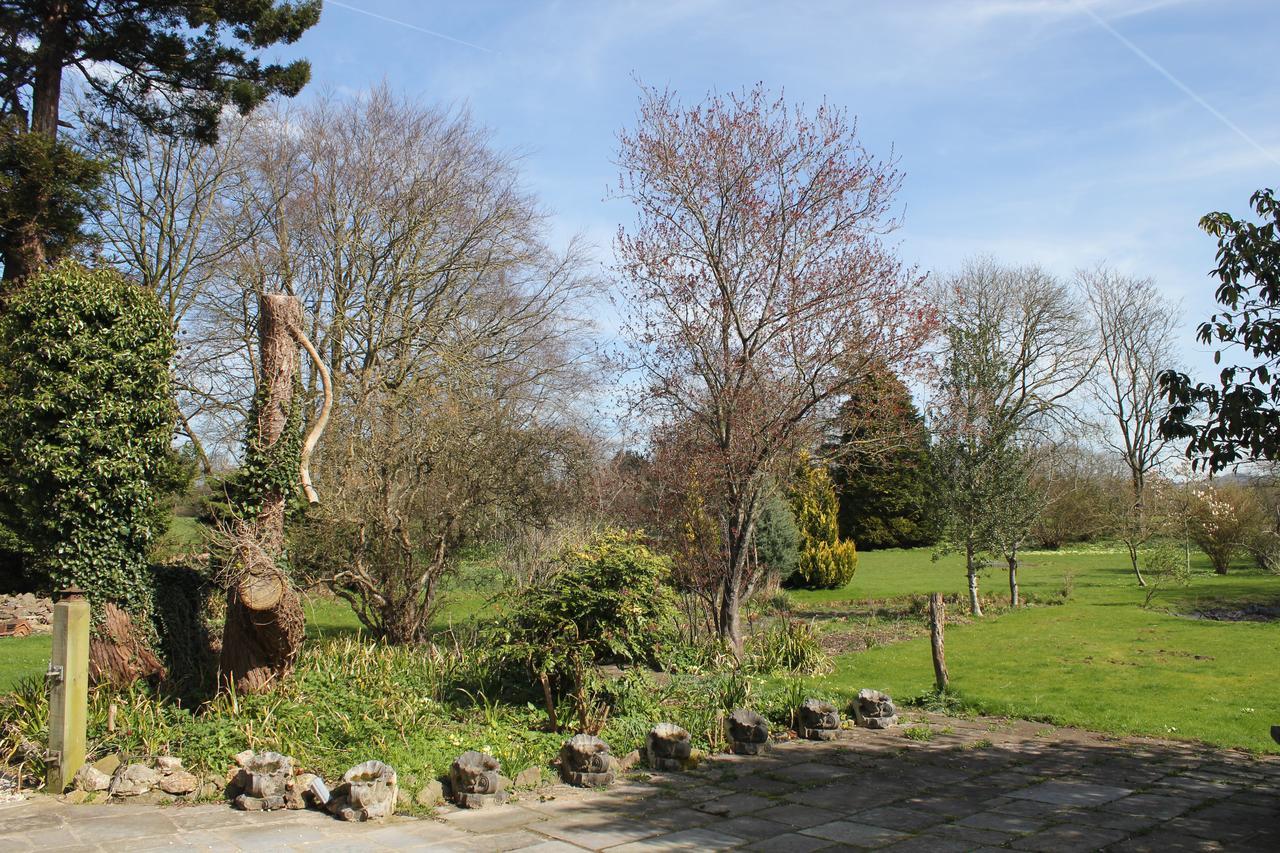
(367, 792)
(874, 710)
(667, 747)
(585, 761)
(748, 732)
(262, 781)
(818, 720)
(476, 780)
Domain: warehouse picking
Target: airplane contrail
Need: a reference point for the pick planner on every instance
(1184, 88)
(406, 24)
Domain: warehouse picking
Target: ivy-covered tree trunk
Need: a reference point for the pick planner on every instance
(263, 633)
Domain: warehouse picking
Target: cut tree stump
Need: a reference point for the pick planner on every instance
(263, 632)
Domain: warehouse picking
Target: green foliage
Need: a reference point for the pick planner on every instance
(825, 561)
(884, 478)
(1239, 417)
(199, 54)
(788, 644)
(1164, 566)
(606, 602)
(777, 537)
(86, 420)
(266, 470)
(45, 188)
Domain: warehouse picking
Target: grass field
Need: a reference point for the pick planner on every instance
(1099, 661)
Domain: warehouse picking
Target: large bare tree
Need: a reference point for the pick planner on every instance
(172, 213)
(455, 336)
(1136, 332)
(757, 290)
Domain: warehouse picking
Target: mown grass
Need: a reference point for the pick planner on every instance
(1100, 661)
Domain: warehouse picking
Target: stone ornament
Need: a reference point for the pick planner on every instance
(368, 791)
(818, 720)
(874, 710)
(476, 780)
(585, 761)
(667, 747)
(748, 732)
(262, 781)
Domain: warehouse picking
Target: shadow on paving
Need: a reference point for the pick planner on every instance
(978, 783)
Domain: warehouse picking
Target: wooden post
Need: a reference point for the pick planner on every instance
(68, 689)
(937, 622)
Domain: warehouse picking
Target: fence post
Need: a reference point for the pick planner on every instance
(937, 622)
(68, 677)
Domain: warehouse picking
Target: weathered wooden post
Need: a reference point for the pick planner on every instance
(937, 621)
(68, 677)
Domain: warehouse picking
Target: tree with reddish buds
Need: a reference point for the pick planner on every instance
(757, 292)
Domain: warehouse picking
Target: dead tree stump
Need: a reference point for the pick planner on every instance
(263, 633)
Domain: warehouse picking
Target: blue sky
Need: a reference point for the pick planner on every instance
(1027, 129)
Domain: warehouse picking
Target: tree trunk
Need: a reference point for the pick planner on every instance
(118, 654)
(937, 624)
(46, 88)
(1012, 559)
(24, 245)
(971, 568)
(263, 633)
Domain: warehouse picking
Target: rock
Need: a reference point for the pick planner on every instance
(371, 790)
(318, 792)
(631, 759)
(242, 758)
(134, 780)
(296, 791)
(432, 793)
(530, 777)
(585, 761)
(748, 732)
(168, 764)
(90, 778)
(209, 791)
(475, 780)
(178, 782)
(667, 747)
(874, 710)
(76, 796)
(107, 764)
(819, 720)
(154, 797)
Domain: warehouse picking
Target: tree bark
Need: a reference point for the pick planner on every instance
(24, 250)
(937, 624)
(118, 654)
(1012, 560)
(971, 569)
(263, 633)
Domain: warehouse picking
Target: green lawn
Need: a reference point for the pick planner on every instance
(1099, 661)
(22, 657)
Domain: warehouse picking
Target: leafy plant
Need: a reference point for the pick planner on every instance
(788, 644)
(86, 420)
(606, 602)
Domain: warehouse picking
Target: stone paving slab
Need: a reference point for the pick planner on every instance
(979, 784)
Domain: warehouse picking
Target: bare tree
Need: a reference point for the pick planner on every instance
(757, 289)
(1015, 350)
(173, 212)
(1136, 330)
(455, 337)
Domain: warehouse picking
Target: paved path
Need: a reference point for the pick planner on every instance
(977, 784)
